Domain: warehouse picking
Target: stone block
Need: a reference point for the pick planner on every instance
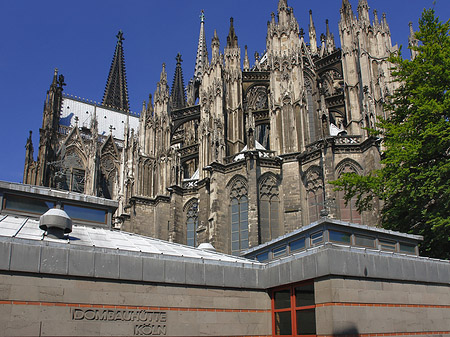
(232, 277)
(214, 274)
(5, 251)
(152, 269)
(195, 273)
(54, 260)
(297, 273)
(130, 267)
(25, 257)
(174, 271)
(309, 267)
(248, 277)
(106, 264)
(81, 262)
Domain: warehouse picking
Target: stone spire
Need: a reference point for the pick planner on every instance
(330, 39)
(346, 13)
(246, 60)
(312, 34)
(215, 45)
(232, 40)
(363, 11)
(376, 22)
(202, 53)
(177, 96)
(116, 91)
(412, 41)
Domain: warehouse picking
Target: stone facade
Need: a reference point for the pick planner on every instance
(247, 154)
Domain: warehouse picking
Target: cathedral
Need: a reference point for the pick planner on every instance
(241, 154)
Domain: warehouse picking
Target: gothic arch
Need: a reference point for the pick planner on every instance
(315, 192)
(238, 192)
(348, 165)
(269, 208)
(190, 210)
(347, 210)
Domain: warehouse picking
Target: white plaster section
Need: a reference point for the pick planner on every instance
(85, 111)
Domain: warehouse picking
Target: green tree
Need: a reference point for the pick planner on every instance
(414, 181)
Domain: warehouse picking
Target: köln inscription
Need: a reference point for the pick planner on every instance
(146, 322)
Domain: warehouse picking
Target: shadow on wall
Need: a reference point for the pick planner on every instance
(349, 331)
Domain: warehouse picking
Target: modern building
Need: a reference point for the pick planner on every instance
(64, 275)
(240, 155)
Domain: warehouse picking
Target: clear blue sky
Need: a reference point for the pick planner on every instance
(78, 38)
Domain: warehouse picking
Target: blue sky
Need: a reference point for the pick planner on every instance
(78, 38)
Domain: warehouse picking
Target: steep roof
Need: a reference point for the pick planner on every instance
(177, 96)
(116, 91)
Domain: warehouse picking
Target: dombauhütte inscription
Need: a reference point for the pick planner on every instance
(148, 323)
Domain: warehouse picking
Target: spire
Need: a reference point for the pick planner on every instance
(384, 23)
(29, 149)
(363, 11)
(376, 22)
(246, 60)
(330, 39)
(215, 45)
(202, 52)
(232, 40)
(312, 34)
(412, 41)
(282, 5)
(346, 12)
(116, 91)
(177, 96)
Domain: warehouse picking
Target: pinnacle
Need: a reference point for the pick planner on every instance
(116, 91)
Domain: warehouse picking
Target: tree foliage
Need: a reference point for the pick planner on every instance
(414, 181)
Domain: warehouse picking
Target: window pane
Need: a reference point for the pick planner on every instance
(24, 204)
(387, 245)
(317, 237)
(234, 236)
(364, 241)
(283, 323)
(282, 299)
(304, 295)
(235, 246)
(306, 322)
(83, 213)
(405, 248)
(262, 257)
(244, 244)
(339, 236)
(279, 251)
(297, 245)
(244, 235)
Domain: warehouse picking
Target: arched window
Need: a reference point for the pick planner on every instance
(314, 188)
(311, 109)
(269, 218)
(191, 223)
(348, 211)
(239, 216)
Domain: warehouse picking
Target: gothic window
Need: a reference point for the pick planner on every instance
(269, 220)
(311, 109)
(191, 223)
(108, 176)
(239, 216)
(262, 132)
(348, 211)
(70, 174)
(315, 194)
(257, 99)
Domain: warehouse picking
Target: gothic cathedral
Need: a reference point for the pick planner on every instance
(244, 152)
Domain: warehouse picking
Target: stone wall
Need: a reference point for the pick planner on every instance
(53, 306)
(354, 306)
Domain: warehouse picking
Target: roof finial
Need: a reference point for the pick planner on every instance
(202, 16)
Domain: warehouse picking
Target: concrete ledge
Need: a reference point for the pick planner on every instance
(92, 262)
